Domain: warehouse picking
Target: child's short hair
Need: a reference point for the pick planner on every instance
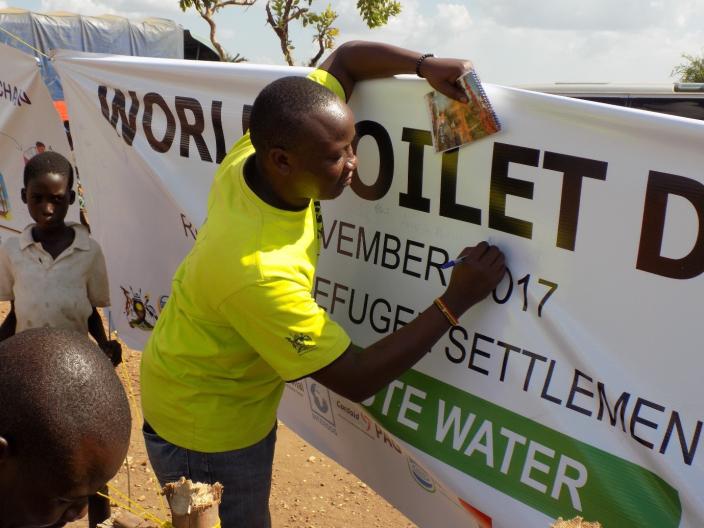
(48, 162)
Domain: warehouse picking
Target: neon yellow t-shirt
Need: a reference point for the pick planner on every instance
(241, 319)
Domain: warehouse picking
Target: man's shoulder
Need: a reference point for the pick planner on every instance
(237, 155)
(328, 80)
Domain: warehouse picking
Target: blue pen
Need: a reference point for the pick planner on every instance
(452, 262)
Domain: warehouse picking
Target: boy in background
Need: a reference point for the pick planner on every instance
(54, 273)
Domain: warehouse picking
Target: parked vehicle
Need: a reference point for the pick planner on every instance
(679, 99)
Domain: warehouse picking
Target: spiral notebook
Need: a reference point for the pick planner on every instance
(455, 124)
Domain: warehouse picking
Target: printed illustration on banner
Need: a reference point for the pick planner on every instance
(139, 312)
(4, 200)
(30, 152)
(321, 405)
(27, 154)
(162, 302)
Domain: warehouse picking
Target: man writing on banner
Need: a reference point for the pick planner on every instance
(241, 320)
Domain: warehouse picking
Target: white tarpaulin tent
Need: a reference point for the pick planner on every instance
(28, 126)
(150, 37)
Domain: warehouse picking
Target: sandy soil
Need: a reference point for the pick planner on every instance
(310, 490)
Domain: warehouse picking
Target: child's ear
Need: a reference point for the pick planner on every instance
(71, 196)
(23, 194)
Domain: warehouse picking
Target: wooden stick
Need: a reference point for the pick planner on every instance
(194, 505)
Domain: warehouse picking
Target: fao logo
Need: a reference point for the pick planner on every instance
(320, 401)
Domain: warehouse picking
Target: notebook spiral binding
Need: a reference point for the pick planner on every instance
(485, 100)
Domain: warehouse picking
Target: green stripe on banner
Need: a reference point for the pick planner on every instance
(543, 468)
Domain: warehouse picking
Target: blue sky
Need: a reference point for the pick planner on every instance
(510, 41)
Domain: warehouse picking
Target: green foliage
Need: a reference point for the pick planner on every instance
(281, 13)
(690, 71)
(377, 13)
(323, 24)
(198, 5)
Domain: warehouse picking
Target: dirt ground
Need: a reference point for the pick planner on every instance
(310, 490)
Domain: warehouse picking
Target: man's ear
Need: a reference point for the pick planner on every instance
(23, 194)
(280, 159)
(71, 196)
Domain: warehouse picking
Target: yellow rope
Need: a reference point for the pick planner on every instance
(133, 399)
(144, 513)
(25, 43)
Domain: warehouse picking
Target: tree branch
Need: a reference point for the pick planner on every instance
(244, 3)
(296, 14)
(207, 15)
(281, 31)
(321, 49)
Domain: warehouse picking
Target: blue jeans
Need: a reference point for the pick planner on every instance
(244, 473)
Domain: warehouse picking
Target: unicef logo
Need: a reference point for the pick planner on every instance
(319, 399)
(421, 476)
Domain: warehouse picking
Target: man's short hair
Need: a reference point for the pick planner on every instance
(56, 389)
(280, 110)
(48, 162)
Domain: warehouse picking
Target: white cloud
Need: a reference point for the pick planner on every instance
(226, 33)
(572, 14)
(453, 17)
(523, 41)
(597, 15)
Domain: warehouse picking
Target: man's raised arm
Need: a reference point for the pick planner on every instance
(358, 61)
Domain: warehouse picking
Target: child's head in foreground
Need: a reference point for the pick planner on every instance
(64, 426)
(48, 189)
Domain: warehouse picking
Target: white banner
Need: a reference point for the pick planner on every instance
(574, 390)
(29, 124)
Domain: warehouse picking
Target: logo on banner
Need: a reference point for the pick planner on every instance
(297, 386)
(421, 476)
(321, 405)
(138, 309)
(354, 416)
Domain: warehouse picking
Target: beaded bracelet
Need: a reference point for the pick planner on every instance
(446, 312)
(420, 61)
